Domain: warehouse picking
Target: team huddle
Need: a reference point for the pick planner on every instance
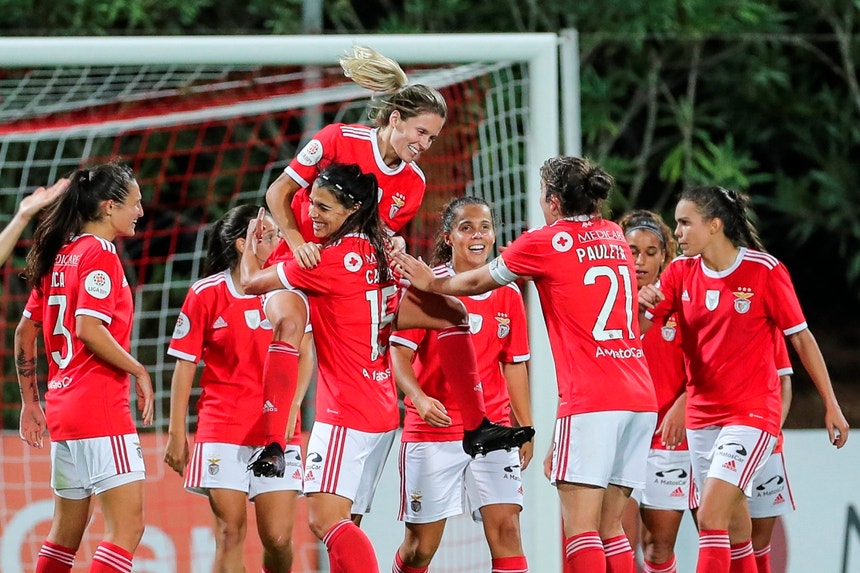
(672, 371)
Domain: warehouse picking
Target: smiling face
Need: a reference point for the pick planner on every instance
(409, 138)
(268, 241)
(123, 216)
(694, 232)
(649, 255)
(326, 212)
(472, 237)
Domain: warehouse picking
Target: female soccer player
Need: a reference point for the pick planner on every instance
(82, 303)
(29, 206)
(667, 489)
(407, 119)
(226, 329)
(584, 273)
(436, 476)
(729, 297)
(352, 297)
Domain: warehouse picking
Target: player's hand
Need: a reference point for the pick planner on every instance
(547, 463)
(395, 244)
(672, 429)
(308, 255)
(837, 426)
(414, 270)
(432, 411)
(41, 197)
(178, 453)
(527, 451)
(145, 397)
(650, 296)
(33, 425)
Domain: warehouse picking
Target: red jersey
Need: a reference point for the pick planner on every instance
(86, 397)
(586, 280)
(728, 319)
(497, 322)
(230, 333)
(351, 312)
(665, 358)
(401, 188)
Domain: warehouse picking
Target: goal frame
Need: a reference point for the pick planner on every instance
(541, 515)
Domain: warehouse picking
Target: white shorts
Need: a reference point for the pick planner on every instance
(216, 465)
(771, 492)
(734, 454)
(346, 462)
(602, 448)
(668, 482)
(439, 480)
(81, 468)
(265, 298)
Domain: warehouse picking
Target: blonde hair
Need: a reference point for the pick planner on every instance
(373, 71)
(384, 76)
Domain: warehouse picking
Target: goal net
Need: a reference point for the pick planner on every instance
(202, 138)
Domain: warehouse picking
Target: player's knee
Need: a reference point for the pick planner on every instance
(229, 534)
(277, 543)
(287, 329)
(417, 552)
(505, 535)
(658, 550)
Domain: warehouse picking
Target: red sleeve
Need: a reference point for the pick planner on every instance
(189, 334)
(781, 301)
(305, 167)
(101, 282)
(516, 348)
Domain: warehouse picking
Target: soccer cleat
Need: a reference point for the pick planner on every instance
(489, 436)
(270, 462)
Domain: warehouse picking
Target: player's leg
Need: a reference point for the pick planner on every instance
(448, 316)
(228, 510)
(287, 311)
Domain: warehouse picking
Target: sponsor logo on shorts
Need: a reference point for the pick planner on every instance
(139, 450)
(315, 457)
(309, 476)
(675, 476)
(510, 472)
(779, 499)
(770, 487)
(214, 468)
(739, 453)
(678, 492)
(297, 475)
(730, 465)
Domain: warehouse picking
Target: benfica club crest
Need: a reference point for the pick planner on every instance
(397, 202)
(712, 299)
(504, 327)
(214, 468)
(415, 504)
(742, 300)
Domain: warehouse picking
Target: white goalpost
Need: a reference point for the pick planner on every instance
(208, 122)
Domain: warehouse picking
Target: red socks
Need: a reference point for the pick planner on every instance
(110, 558)
(400, 567)
(280, 375)
(55, 558)
(670, 566)
(460, 366)
(743, 558)
(762, 559)
(715, 553)
(349, 549)
(516, 564)
(619, 555)
(584, 553)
